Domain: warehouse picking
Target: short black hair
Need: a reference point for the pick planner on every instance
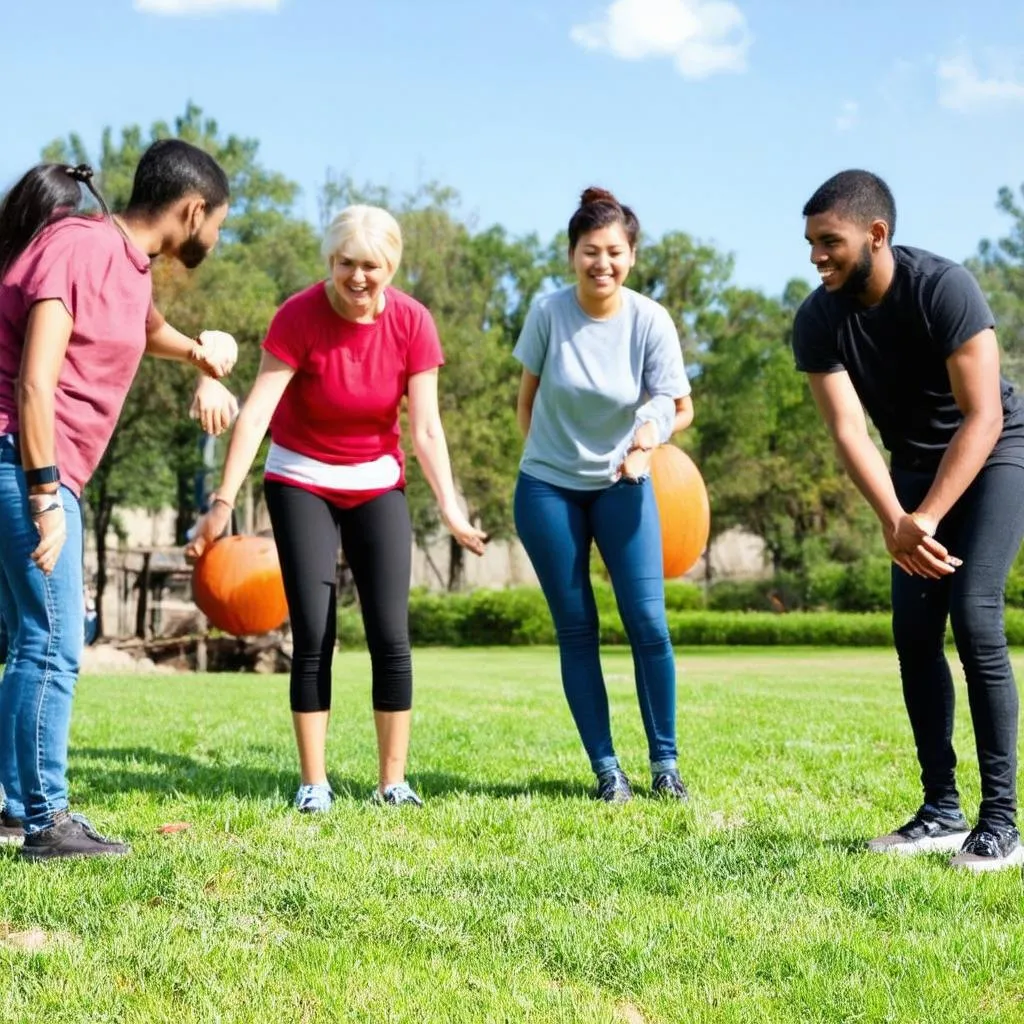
(172, 169)
(858, 195)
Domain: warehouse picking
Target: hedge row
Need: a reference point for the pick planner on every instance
(520, 616)
(863, 586)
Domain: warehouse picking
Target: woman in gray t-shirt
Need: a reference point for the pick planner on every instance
(603, 384)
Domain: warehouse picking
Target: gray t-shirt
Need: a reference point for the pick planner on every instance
(595, 376)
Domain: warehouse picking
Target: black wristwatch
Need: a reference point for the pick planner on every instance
(43, 475)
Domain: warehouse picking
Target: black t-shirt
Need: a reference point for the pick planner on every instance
(896, 352)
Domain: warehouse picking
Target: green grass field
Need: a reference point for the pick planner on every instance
(511, 896)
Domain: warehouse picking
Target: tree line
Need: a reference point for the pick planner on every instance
(767, 461)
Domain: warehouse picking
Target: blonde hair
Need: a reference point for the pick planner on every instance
(364, 232)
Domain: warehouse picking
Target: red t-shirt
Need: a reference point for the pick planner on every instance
(341, 407)
(105, 284)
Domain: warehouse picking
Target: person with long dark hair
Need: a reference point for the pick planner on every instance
(603, 384)
(76, 317)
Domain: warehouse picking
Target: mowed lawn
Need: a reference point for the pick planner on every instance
(512, 896)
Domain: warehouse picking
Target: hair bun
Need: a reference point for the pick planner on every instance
(82, 173)
(597, 195)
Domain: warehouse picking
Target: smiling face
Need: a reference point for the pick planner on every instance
(362, 247)
(602, 260)
(843, 251)
(359, 281)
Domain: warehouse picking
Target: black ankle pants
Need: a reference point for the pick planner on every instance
(376, 538)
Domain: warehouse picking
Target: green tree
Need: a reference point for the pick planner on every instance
(999, 268)
(767, 458)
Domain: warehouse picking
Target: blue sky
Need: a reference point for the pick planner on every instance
(716, 118)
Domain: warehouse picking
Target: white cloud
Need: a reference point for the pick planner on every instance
(962, 87)
(702, 36)
(848, 116)
(187, 7)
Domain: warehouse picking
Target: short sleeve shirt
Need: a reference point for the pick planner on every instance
(105, 284)
(895, 353)
(594, 376)
(342, 405)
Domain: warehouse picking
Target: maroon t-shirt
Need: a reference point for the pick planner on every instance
(105, 284)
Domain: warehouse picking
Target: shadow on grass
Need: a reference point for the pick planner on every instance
(143, 769)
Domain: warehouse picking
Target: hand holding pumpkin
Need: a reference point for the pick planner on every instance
(210, 526)
(237, 585)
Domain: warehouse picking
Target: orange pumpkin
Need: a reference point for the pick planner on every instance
(682, 507)
(237, 584)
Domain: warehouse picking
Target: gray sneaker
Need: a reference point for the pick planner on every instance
(613, 787)
(314, 799)
(399, 794)
(928, 831)
(70, 835)
(669, 784)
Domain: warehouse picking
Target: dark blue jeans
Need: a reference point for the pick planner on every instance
(557, 526)
(985, 529)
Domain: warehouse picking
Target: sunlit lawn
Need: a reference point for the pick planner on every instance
(511, 896)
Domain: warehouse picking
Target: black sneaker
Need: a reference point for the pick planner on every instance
(928, 831)
(670, 785)
(70, 835)
(990, 849)
(12, 831)
(613, 787)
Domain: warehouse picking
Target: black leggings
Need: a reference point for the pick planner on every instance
(984, 529)
(376, 538)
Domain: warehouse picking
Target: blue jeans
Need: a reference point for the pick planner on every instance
(556, 526)
(45, 619)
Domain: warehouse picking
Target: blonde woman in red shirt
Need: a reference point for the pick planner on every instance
(337, 361)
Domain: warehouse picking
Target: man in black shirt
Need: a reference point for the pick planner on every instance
(908, 337)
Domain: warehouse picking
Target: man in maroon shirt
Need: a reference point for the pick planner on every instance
(76, 317)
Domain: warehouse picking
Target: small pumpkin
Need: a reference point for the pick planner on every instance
(237, 584)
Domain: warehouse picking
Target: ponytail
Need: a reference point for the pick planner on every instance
(45, 194)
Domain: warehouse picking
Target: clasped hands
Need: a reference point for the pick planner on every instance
(911, 544)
